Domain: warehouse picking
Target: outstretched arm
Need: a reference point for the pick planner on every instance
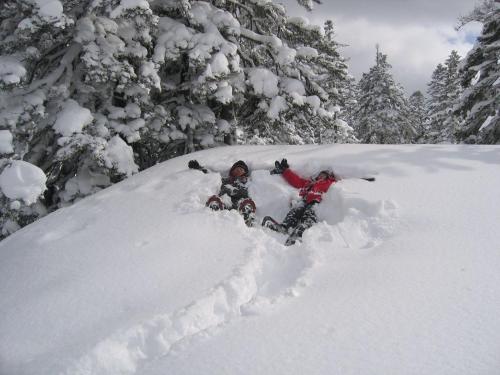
(294, 179)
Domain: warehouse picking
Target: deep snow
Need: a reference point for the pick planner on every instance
(401, 276)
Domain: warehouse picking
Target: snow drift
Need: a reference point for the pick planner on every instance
(400, 276)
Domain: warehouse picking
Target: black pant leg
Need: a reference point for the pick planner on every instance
(307, 220)
(293, 217)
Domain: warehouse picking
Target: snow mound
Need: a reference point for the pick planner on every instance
(11, 70)
(6, 142)
(72, 118)
(22, 180)
(269, 272)
(142, 278)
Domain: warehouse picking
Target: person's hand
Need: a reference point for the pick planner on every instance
(193, 164)
(284, 164)
(279, 168)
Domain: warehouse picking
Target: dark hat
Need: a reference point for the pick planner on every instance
(241, 164)
(329, 173)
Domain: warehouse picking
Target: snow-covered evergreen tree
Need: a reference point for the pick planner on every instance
(480, 101)
(341, 89)
(74, 62)
(308, 4)
(383, 111)
(34, 39)
(436, 103)
(294, 91)
(349, 109)
(444, 91)
(453, 91)
(416, 102)
(93, 91)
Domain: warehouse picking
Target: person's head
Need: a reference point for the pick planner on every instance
(239, 169)
(325, 174)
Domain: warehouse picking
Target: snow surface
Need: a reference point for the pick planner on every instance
(400, 276)
(263, 81)
(72, 118)
(22, 180)
(278, 105)
(476, 78)
(127, 5)
(120, 156)
(486, 122)
(6, 142)
(11, 70)
(49, 9)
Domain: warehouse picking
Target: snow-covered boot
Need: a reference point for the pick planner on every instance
(247, 208)
(292, 238)
(269, 222)
(215, 203)
(297, 232)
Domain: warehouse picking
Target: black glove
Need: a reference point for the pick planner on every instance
(193, 164)
(279, 168)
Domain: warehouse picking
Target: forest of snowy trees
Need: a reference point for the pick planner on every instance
(93, 91)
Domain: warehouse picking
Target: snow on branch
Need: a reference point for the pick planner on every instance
(479, 13)
(308, 4)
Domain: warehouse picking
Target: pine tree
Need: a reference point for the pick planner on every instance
(93, 91)
(453, 91)
(480, 102)
(436, 104)
(301, 68)
(308, 4)
(382, 115)
(340, 87)
(417, 117)
(444, 91)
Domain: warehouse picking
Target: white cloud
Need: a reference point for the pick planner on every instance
(416, 35)
(413, 50)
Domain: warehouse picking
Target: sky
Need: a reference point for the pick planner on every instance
(416, 35)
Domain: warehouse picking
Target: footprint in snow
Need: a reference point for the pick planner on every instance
(269, 273)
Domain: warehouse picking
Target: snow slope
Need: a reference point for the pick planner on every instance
(401, 276)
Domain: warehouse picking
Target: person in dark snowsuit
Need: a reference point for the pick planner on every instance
(235, 187)
(302, 216)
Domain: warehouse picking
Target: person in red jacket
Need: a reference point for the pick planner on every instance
(302, 216)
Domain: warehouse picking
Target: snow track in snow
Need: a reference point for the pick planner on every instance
(136, 278)
(269, 273)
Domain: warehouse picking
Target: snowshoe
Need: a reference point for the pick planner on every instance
(291, 240)
(269, 222)
(296, 235)
(247, 208)
(215, 203)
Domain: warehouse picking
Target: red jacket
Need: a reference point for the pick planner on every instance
(310, 190)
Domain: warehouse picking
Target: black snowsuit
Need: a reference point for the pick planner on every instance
(235, 188)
